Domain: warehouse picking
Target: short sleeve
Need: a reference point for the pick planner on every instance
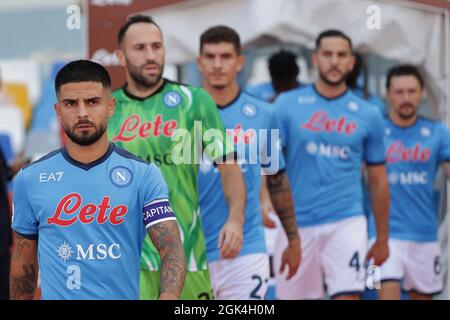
(374, 150)
(444, 146)
(280, 122)
(156, 207)
(24, 220)
(216, 144)
(270, 151)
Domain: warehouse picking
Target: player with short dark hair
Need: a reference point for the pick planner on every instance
(246, 275)
(153, 117)
(81, 212)
(415, 148)
(327, 133)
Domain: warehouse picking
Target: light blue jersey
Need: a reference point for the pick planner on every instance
(413, 156)
(243, 118)
(263, 91)
(90, 221)
(325, 143)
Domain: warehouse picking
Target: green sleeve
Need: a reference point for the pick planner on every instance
(215, 142)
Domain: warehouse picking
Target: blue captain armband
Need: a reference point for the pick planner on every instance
(157, 211)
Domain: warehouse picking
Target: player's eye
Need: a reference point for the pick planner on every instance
(93, 102)
(70, 103)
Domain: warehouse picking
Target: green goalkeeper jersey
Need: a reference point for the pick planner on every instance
(164, 129)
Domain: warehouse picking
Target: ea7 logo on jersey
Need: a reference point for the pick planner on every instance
(51, 177)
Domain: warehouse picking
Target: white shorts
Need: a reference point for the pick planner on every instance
(333, 255)
(242, 278)
(416, 264)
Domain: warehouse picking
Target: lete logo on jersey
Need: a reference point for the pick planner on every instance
(319, 121)
(398, 152)
(133, 126)
(69, 205)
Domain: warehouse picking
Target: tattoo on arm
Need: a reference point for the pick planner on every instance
(166, 237)
(24, 269)
(280, 194)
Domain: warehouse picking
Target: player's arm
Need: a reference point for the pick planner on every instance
(379, 189)
(231, 235)
(24, 268)
(166, 238)
(280, 194)
(266, 204)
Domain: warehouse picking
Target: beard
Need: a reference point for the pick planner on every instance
(407, 113)
(144, 81)
(324, 77)
(84, 138)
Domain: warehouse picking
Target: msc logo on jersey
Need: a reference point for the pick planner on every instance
(172, 99)
(99, 251)
(249, 110)
(120, 176)
(64, 251)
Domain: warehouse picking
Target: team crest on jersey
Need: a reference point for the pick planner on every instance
(425, 132)
(172, 99)
(353, 106)
(249, 110)
(120, 176)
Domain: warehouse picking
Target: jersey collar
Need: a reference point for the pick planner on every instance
(329, 99)
(403, 128)
(221, 107)
(92, 164)
(132, 96)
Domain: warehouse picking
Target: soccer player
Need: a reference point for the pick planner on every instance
(150, 113)
(327, 133)
(284, 71)
(81, 212)
(245, 117)
(415, 147)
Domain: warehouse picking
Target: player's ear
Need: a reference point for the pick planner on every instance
(111, 106)
(121, 57)
(314, 58)
(199, 63)
(352, 61)
(57, 109)
(241, 62)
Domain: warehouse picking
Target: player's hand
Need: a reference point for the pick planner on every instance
(292, 257)
(379, 252)
(230, 239)
(266, 209)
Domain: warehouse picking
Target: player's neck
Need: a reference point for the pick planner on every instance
(400, 122)
(330, 91)
(223, 96)
(87, 154)
(139, 91)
